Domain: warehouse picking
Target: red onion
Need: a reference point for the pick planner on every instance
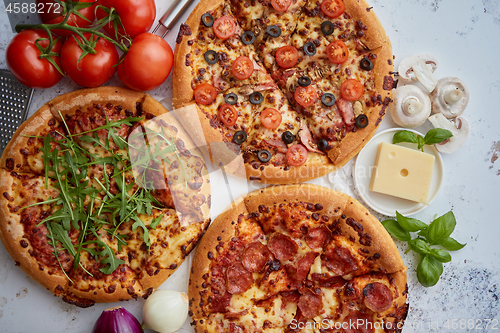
(117, 320)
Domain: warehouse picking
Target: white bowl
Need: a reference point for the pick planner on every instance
(383, 203)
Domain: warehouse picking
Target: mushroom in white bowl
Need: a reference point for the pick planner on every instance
(450, 97)
(419, 67)
(458, 126)
(411, 106)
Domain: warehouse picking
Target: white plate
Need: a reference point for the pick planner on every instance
(383, 203)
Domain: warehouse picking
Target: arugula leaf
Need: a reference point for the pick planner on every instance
(139, 223)
(109, 258)
(156, 221)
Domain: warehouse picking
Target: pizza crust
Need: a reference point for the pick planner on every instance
(82, 293)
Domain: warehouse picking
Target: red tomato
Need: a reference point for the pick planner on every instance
(224, 27)
(51, 12)
(305, 96)
(205, 93)
(93, 70)
(333, 8)
(23, 59)
(270, 118)
(287, 56)
(242, 68)
(296, 155)
(337, 52)
(228, 114)
(147, 63)
(351, 89)
(281, 5)
(137, 16)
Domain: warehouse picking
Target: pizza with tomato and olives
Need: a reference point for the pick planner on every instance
(294, 88)
(103, 195)
(297, 258)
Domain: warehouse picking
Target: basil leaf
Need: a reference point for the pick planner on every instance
(423, 233)
(410, 224)
(404, 136)
(441, 228)
(437, 135)
(451, 244)
(419, 245)
(420, 142)
(429, 271)
(396, 230)
(440, 255)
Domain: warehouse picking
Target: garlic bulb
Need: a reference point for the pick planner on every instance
(165, 311)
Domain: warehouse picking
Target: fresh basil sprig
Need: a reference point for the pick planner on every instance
(438, 233)
(433, 136)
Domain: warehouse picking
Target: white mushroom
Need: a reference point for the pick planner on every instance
(411, 107)
(459, 127)
(450, 97)
(419, 67)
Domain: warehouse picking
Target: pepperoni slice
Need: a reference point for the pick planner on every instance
(255, 257)
(378, 297)
(318, 237)
(291, 296)
(304, 265)
(282, 247)
(220, 302)
(238, 279)
(327, 281)
(310, 304)
(358, 322)
(339, 260)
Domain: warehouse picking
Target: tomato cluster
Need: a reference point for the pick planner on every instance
(87, 56)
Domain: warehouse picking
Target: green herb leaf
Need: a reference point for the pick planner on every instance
(440, 255)
(109, 258)
(410, 224)
(437, 135)
(404, 136)
(441, 228)
(419, 245)
(420, 142)
(429, 271)
(393, 227)
(451, 244)
(139, 223)
(156, 221)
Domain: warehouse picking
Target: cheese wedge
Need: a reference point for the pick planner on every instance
(402, 172)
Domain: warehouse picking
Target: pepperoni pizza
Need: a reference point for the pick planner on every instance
(295, 88)
(103, 195)
(297, 258)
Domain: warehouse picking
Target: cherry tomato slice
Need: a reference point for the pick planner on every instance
(228, 114)
(281, 5)
(224, 27)
(333, 8)
(337, 52)
(305, 96)
(242, 68)
(287, 56)
(296, 155)
(205, 93)
(270, 118)
(351, 90)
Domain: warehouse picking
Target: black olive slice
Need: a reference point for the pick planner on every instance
(273, 31)
(264, 155)
(256, 98)
(287, 137)
(322, 144)
(366, 64)
(361, 121)
(310, 48)
(231, 98)
(248, 37)
(207, 20)
(328, 99)
(211, 57)
(304, 81)
(327, 28)
(239, 137)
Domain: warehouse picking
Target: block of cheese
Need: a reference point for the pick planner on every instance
(402, 172)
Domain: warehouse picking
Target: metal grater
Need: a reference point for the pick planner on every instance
(14, 104)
